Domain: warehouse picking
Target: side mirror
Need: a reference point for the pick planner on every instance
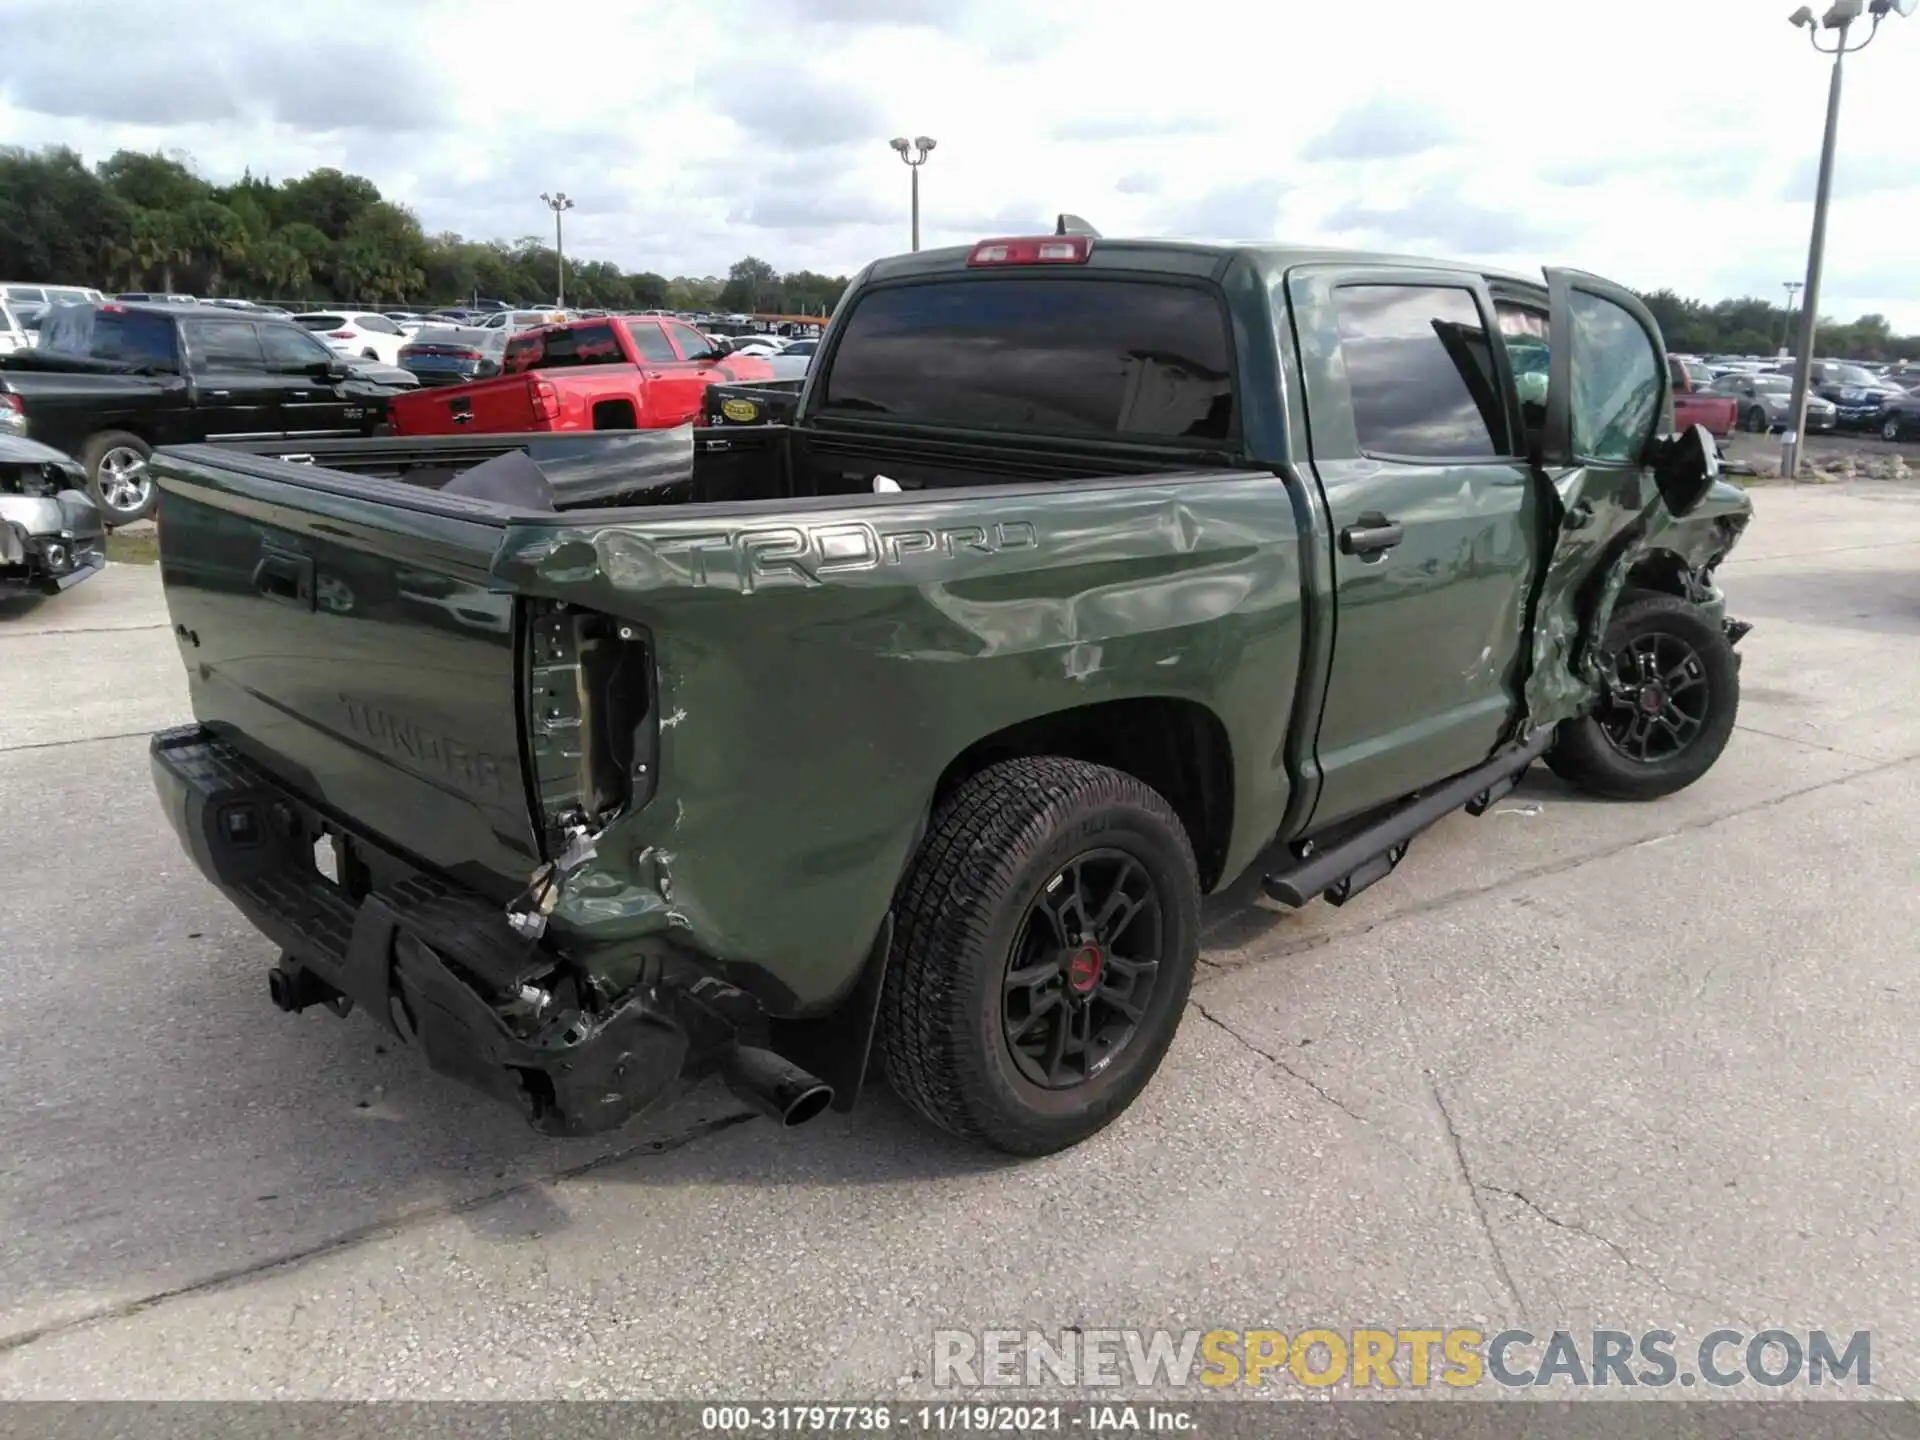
(331, 370)
(1685, 467)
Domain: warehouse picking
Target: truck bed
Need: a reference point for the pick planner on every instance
(363, 628)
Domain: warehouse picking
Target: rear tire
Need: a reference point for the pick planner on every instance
(992, 963)
(1669, 713)
(118, 478)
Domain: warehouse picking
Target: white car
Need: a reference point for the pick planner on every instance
(514, 321)
(792, 362)
(357, 332)
(21, 294)
(16, 331)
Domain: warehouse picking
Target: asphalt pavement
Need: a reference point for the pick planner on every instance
(1576, 1065)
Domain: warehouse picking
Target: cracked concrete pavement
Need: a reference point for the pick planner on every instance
(1576, 1065)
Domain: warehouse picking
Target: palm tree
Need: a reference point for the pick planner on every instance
(279, 266)
(216, 235)
(152, 243)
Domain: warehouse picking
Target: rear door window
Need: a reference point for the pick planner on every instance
(1048, 354)
(1420, 372)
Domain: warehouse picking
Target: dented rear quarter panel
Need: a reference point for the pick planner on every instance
(817, 675)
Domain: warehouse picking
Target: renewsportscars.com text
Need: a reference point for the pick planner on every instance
(1391, 1359)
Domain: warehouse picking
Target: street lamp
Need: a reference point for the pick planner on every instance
(559, 203)
(915, 152)
(1793, 289)
(1840, 18)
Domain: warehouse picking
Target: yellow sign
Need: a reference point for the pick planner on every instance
(741, 412)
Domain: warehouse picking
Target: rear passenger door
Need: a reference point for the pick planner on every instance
(1434, 517)
(233, 395)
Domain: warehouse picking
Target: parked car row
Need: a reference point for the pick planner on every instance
(1843, 395)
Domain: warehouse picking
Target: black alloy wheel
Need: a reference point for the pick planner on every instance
(1083, 969)
(1657, 698)
(1045, 937)
(1672, 697)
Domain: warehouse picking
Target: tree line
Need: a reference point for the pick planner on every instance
(1757, 327)
(150, 222)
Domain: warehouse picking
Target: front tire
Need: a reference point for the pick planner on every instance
(1673, 696)
(1757, 422)
(1890, 428)
(1044, 943)
(118, 477)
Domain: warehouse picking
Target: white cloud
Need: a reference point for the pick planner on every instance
(1657, 143)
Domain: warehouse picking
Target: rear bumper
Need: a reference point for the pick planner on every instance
(436, 966)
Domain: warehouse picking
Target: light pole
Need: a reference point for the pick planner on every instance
(915, 152)
(1793, 289)
(559, 203)
(1839, 18)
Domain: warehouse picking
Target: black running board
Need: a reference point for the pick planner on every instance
(1344, 870)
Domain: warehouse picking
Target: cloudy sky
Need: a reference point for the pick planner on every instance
(1659, 142)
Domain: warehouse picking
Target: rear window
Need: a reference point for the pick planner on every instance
(1068, 356)
(130, 336)
(322, 322)
(559, 349)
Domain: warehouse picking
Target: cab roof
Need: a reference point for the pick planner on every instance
(1199, 257)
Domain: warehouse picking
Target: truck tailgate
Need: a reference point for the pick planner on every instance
(355, 651)
(503, 405)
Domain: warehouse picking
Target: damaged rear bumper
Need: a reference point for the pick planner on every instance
(436, 966)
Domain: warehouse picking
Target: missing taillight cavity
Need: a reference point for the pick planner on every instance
(1033, 250)
(592, 729)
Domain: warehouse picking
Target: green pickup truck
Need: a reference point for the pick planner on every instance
(1087, 578)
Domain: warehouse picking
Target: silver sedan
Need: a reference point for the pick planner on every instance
(1766, 400)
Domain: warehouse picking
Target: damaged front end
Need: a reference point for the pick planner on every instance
(51, 535)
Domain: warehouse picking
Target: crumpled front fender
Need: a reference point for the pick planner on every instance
(1607, 523)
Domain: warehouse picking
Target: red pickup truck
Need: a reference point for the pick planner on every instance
(1695, 404)
(638, 372)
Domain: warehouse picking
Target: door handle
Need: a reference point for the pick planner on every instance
(218, 394)
(285, 578)
(1373, 534)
